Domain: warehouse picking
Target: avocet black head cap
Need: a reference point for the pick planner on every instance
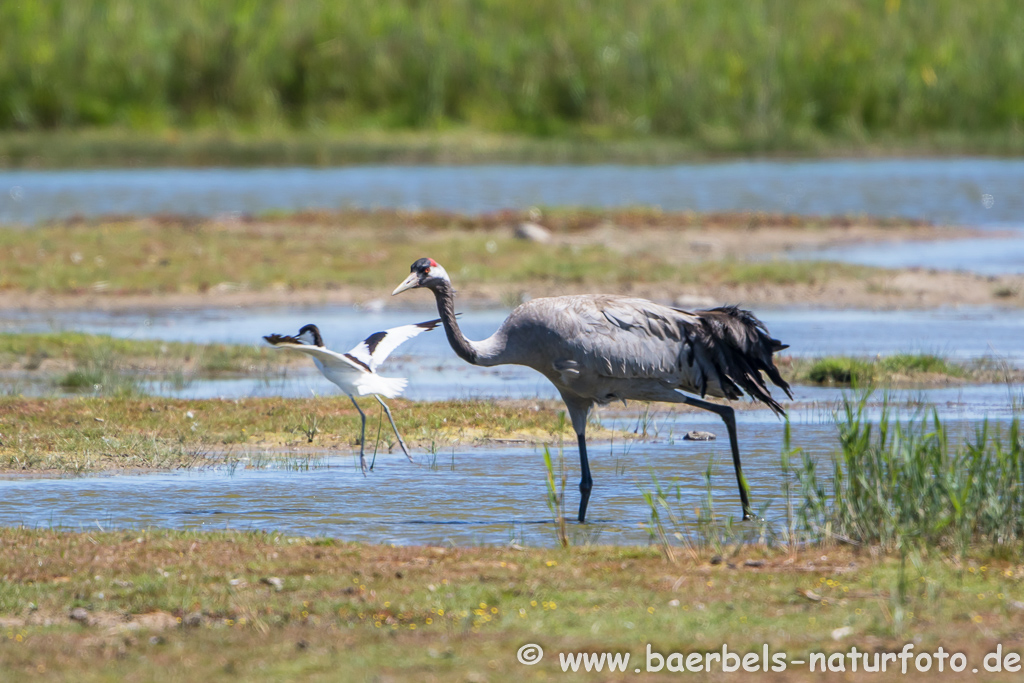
(310, 334)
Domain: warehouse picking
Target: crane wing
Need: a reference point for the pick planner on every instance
(721, 351)
(330, 359)
(373, 350)
(627, 338)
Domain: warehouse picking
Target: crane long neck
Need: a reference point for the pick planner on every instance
(466, 349)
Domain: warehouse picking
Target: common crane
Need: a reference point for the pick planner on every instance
(599, 348)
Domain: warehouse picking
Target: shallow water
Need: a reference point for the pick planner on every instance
(463, 495)
(997, 256)
(958, 333)
(472, 494)
(966, 191)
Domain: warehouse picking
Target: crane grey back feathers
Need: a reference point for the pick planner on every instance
(721, 351)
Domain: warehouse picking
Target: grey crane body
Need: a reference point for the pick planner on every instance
(599, 348)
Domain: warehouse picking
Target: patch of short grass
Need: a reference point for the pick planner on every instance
(361, 250)
(97, 354)
(154, 605)
(125, 430)
(901, 369)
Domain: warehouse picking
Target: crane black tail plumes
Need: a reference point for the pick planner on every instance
(741, 348)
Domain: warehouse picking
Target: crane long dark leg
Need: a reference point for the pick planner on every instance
(728, 416)
(362, 436)
(586, 482)
(387, 411)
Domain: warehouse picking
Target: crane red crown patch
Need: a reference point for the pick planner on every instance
(433, 263)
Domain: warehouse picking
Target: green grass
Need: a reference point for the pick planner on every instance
(901, 369)
(719, 76)
(160, 605)
(370, 251)
(122, 429)
(911, 484)
(96, 354)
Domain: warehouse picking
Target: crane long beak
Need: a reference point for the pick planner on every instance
(410, 282)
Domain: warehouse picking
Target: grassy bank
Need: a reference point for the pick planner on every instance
(897, 370)
(129, 431)
(121, 147)
(719, 76)
(358, 249)
(155, 605)
(33, 351)
(352, 256)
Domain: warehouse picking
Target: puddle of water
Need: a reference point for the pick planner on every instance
(952, 190)
(988, 257)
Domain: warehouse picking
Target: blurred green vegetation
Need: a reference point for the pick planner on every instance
(728, 75)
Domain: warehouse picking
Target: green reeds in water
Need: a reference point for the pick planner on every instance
(902, 485)
(906, 483)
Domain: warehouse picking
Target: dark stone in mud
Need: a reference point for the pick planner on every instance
(192, 619)
(699, 436)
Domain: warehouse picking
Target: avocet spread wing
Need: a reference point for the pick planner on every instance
(329, 358)
(378, 346)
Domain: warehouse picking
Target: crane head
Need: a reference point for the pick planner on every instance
(426, 272)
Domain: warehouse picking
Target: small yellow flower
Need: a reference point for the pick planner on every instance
(551, 563)
(977, 618)
(483, 605)
(494, 610)
(429, 620)
(387, 604)
(553, 605)
(533, 603)
(650, 610)
(412, 627)
(377, 624)
(858, 611)
(440, 612)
